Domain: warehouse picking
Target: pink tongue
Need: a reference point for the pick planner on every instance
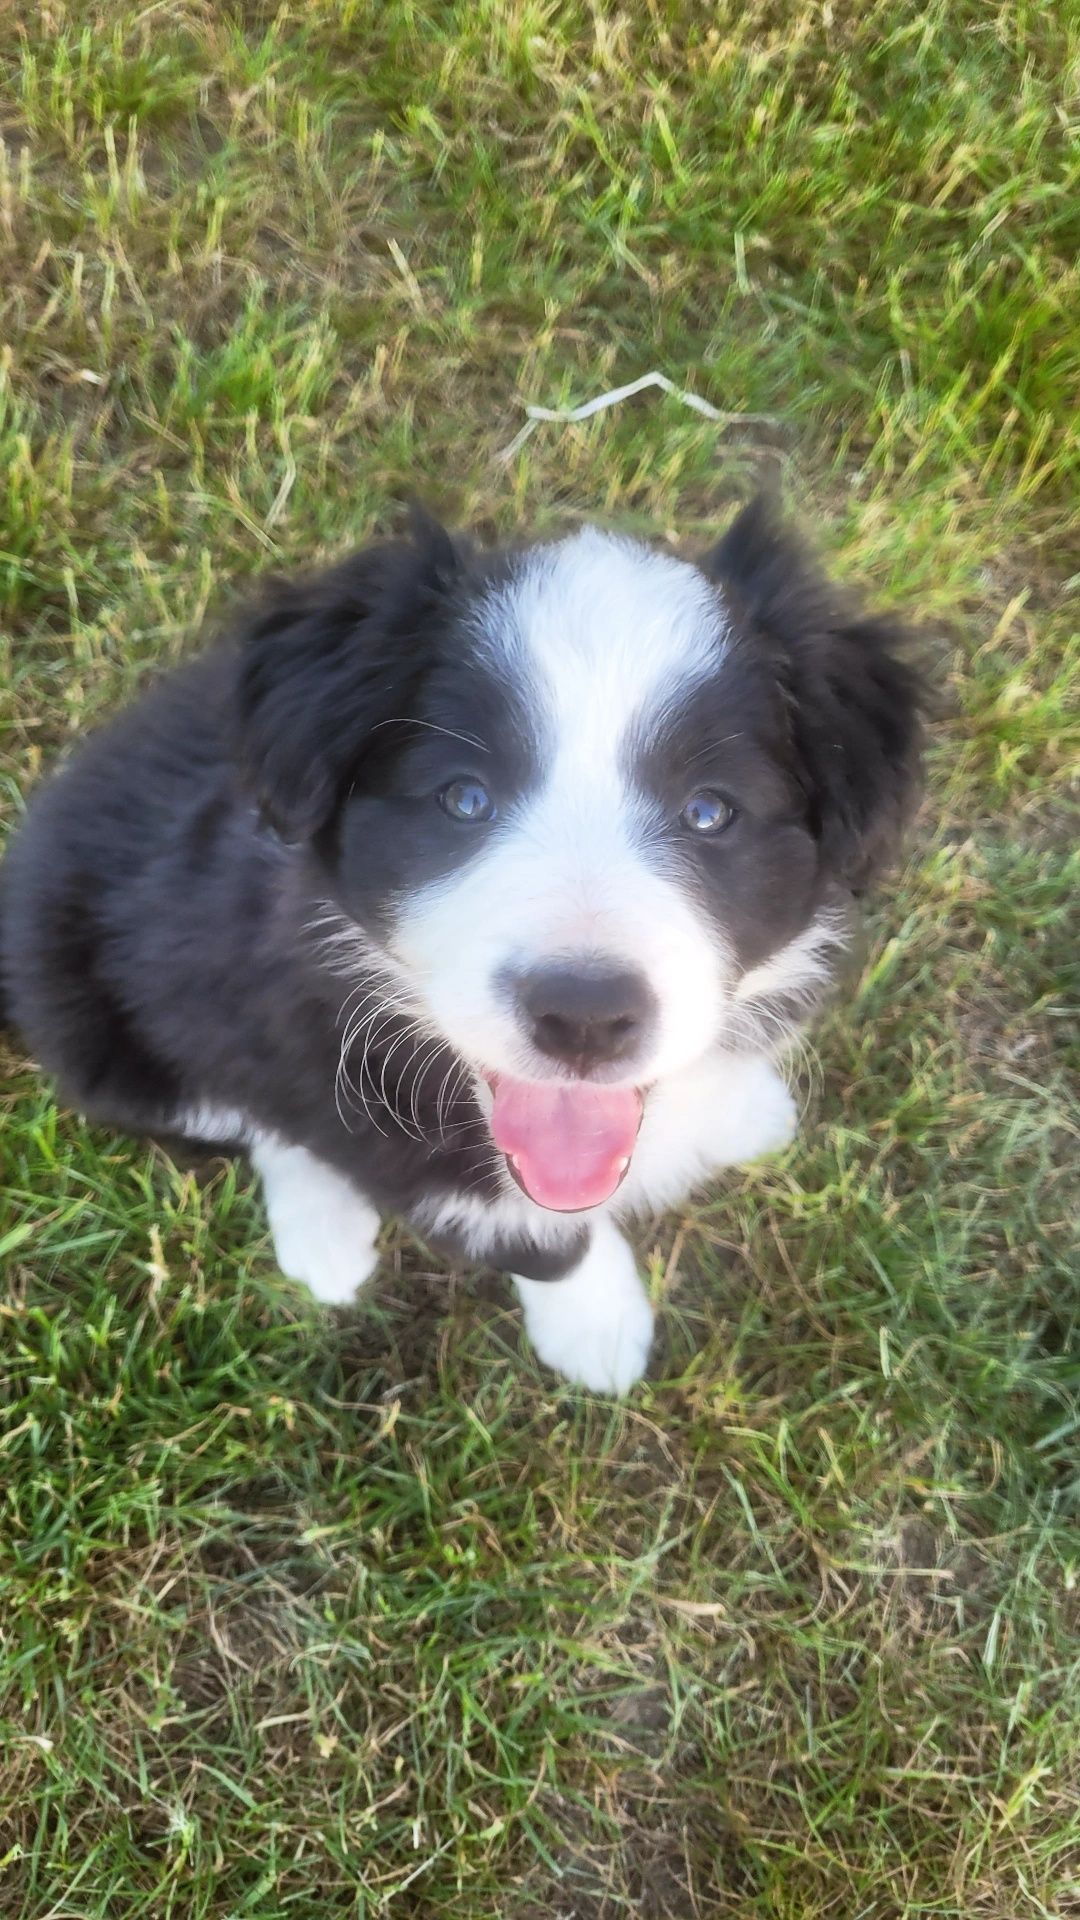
(569, 1144)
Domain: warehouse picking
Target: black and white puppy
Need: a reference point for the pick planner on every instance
(484, 889)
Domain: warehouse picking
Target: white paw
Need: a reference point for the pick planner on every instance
(332, 1252)
(772, 1119)
(596, 1326)
(323, 1230)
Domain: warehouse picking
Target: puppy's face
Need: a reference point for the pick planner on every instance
(581, 832)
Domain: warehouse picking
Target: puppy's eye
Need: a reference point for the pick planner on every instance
(707, 812)
(467, 800)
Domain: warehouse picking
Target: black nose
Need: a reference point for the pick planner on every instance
(586, 1016)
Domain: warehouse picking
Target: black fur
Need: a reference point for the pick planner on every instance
(851, 692)
(162, 911)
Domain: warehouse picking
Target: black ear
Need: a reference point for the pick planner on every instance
(853, 695)
(326, 659)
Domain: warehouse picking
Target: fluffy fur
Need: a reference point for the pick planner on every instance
(435, 823)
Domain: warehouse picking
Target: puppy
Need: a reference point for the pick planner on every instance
(484, 889)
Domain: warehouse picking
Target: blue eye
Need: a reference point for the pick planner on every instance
(707, 812)
(467, 800)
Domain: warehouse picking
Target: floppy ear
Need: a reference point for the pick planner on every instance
(325, 659)
(853, 696)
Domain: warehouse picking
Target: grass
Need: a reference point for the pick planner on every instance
(305, 1619)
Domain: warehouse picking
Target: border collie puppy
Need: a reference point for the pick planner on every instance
(484, 889)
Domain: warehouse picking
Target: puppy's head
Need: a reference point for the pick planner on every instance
(594, 810)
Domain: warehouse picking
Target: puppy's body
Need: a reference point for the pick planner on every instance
(479, 890)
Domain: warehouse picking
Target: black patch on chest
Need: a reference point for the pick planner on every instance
(517, 1253)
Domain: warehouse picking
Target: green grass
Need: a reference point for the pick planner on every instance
(308, 1618)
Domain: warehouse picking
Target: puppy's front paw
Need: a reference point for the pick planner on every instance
(332, 1257)
(323, 1230)
(596, 1326)
(773, 1119)
(606, 1352)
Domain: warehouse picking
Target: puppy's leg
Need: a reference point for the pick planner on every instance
(323, 1230)
(758, 1114)
(596, 1326)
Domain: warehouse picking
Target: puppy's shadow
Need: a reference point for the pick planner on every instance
(404, 1322)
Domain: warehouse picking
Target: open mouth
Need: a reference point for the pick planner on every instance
(568, 1144)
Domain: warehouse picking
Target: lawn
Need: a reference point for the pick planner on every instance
(306, 1617)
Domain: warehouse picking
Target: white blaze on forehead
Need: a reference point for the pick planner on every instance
(604, 632)
(601, 639)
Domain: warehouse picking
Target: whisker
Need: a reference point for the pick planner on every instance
(404, 720)
(418, 1081)
(443, 1084)
(342, 1077)
(460, 1077)
(409, 1034)
(494, 1166)
(376, 993)
(711, 747)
